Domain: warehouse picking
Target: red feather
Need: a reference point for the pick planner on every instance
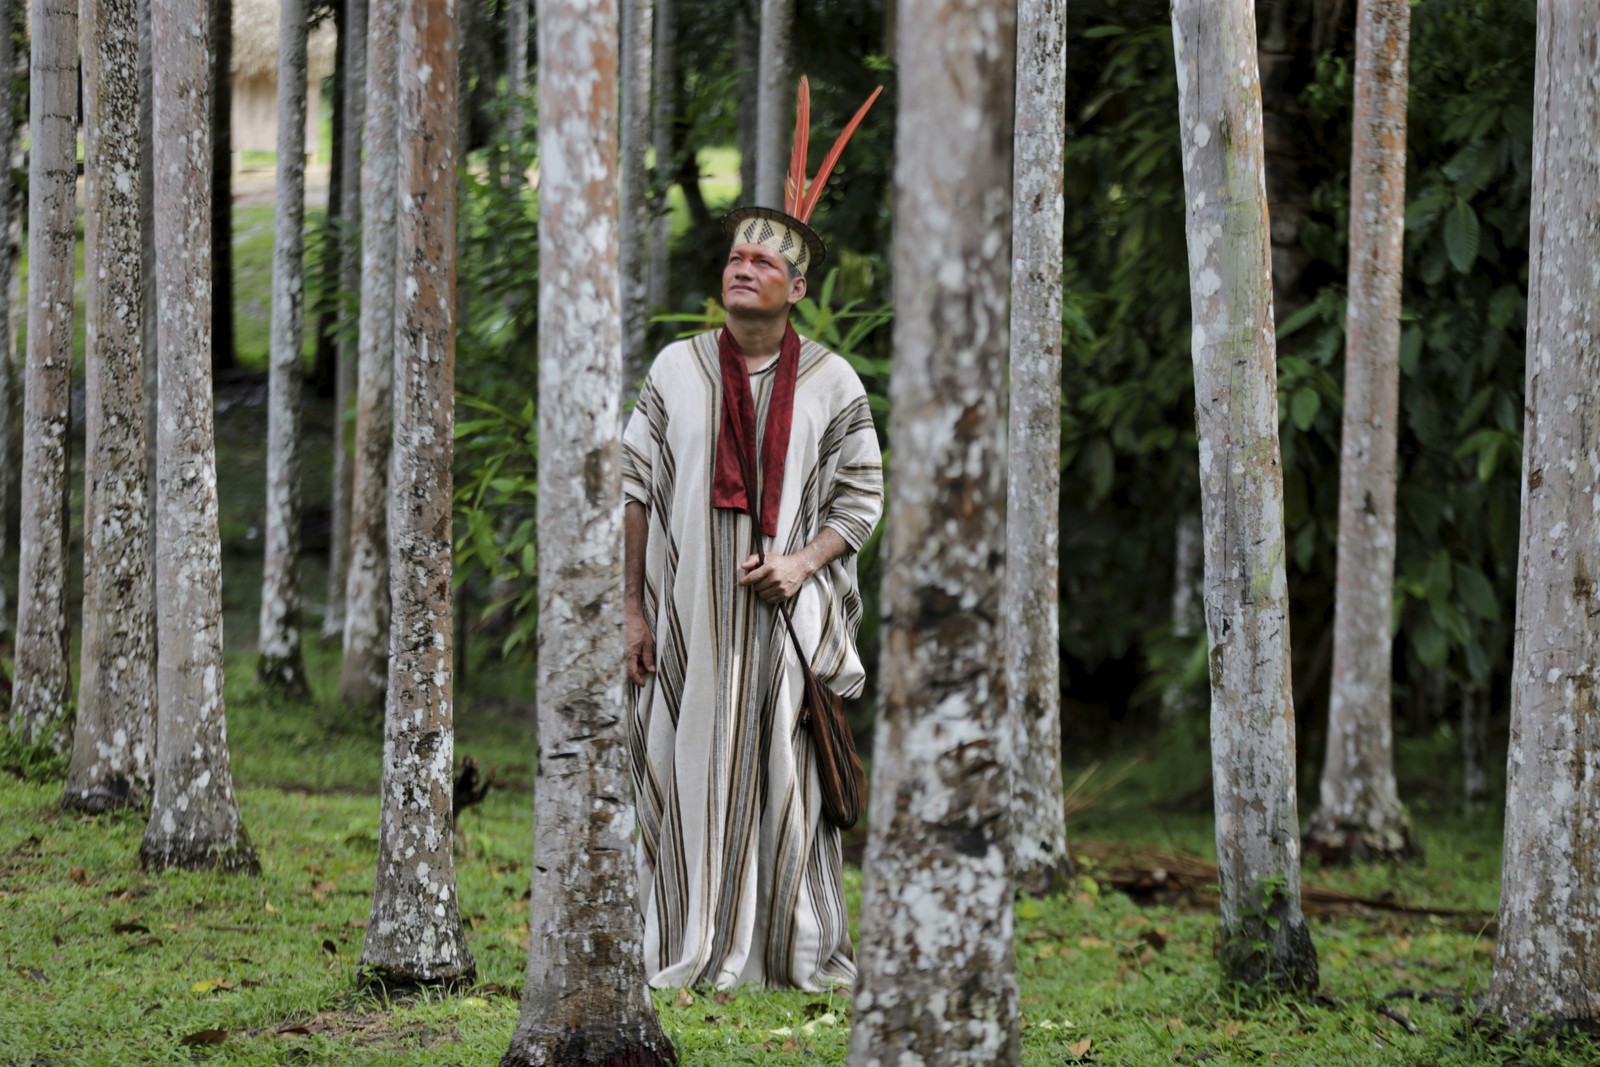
(814, 193)
(795, 186)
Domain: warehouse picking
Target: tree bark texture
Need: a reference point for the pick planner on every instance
(355, 100)
(1033, 491)
(223, 355)
(747, 51)
(638, 23)
(774, 103)
(585, 1000)
(281, 665)
(365, 670)
(663, 135)
(516, 81)
(1360, 816)
(1264, 938)
(114, 741)
(938, 971)
(147, 268)
(1188, 593)
(1547, 956)
(325, 365)
(194, 819)
(42, 682)
(10, 209)
(414, 937)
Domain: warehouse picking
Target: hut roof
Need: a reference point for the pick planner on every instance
(255, 41)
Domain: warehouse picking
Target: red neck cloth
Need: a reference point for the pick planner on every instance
(738, 429)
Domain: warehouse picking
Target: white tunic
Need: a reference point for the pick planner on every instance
(739, 877)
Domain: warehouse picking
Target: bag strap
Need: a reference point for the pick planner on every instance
(752, 507)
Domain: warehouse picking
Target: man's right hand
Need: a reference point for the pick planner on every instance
(640, 657)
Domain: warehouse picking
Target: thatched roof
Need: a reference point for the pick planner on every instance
(255, 41)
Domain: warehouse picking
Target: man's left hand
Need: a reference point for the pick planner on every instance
(777, 580)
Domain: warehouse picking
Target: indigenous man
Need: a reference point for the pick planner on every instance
(739, 874)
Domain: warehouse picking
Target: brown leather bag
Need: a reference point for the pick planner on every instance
(839, 771)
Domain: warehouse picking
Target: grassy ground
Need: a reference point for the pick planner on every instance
(104, 964)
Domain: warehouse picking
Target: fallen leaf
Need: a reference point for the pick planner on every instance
(129, 928)
(329, 947)
(205, 1037)
(78, 876)
(32, 974)
(791, 1046)
(293, 1031)
(1079, 1049)
(685, 999)
(205, 985)
(152, 1009)
(1092, 942)
(270, 909)
(725, 996)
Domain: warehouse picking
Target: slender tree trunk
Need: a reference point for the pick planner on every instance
(638, 18)
(147, 273)
(194, 819)
(43, 680)
(747, 50)
(1547, 956)
(355, 99)
(223, 355)
(281, 665)
(1264, 940)
(585, 1000)
(938, 871)
(1033, 492)
(10, 209)
(365, 670)
(113, 744)
(1188, 593)
(664, 137)
(775, 103)
(1361, 816)
(516, 84)
(414, 937)
(325, 364)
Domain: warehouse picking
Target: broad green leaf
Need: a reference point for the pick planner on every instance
(1477, 594)
(1429, 643)
(1461, 236)
(1303, 408)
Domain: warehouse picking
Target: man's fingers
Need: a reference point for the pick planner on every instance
(647, 657)
(750, 562)
(634, 673)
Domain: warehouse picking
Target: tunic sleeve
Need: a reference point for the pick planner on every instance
(641, 444)
(855, 500)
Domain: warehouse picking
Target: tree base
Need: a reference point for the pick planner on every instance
(1046, 878)
(1270, 956)
(642, 1045)
(1342, 845)
(284, 676)
(237, 858)
(1557, 1033)
(397, 984)
(115, 794)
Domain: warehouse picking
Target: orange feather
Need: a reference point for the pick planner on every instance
(809, 203)
(795, 186)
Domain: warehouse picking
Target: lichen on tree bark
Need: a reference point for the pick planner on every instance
(414, 936)
(114, 742)
(42, 683)
(194, 818)
(1547, 954)
(938, 971)
(1264, 939)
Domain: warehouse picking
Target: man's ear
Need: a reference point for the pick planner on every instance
(797, 290)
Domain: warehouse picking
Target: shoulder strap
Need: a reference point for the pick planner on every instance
(753, 509)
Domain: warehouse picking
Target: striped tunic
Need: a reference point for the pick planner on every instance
(739, 877)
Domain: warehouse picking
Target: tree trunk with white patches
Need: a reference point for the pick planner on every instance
(10, 212)
(585, 1000)
(938, 971)
(638, 20)
(1264, 940)
(1547, 955)
(114, 741)
(364, 672)
(223, 354)
(354, 47)
(1360, 816)
(1033, 492)
(414, 936)
(42, 682)
(747, 50)
(663, 136)
(1188, 593)
(774, 102)
(281, 663)
(194, 819)
(147, 268)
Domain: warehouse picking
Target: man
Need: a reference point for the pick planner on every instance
(740, 877)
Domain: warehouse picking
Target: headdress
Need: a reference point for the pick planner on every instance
(786, 232)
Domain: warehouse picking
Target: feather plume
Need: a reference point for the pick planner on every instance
(794, 187)
(809, 203)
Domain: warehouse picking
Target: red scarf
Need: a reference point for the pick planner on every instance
(738, 429)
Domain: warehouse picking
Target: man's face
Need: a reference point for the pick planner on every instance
(756, 281)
